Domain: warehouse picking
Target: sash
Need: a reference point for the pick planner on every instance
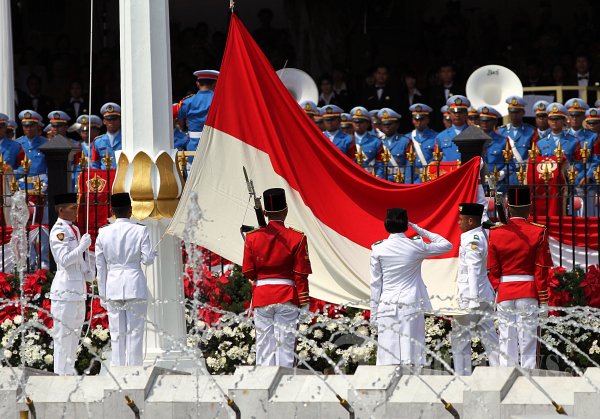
(515, 152)
(417, 147)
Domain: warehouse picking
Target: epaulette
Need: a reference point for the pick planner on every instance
(497, 226)
(58, 224)
(376, 243)
(417, 237)
(297, 231)
(538, 225)
(253, 231)
(181, 101)
(107, 224)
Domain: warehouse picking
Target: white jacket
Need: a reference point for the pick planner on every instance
(121, 248)
(396, 282)
(473, 284)
(71, 269)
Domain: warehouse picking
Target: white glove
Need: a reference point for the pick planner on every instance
(84, 242)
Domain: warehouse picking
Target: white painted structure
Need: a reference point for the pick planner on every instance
(7, 81)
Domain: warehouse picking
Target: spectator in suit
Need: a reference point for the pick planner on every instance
(76, 105)
(439, 94)
(33, 98)
(380, 94)
(584, 77)
(327, 95)
(409, 95)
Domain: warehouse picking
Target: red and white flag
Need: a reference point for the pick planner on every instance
(255, 122)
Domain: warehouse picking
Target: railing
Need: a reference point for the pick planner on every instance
(560, 91)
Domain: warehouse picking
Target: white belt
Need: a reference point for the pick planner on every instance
(516, 278)
(132, 265)
(195, 134)
(275, 281)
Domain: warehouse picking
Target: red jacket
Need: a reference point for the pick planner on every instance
(519, 248)
(277, 251)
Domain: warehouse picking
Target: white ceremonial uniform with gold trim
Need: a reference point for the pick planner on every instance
(399, 296)
(121, 248)
(68, 292)
(475, 295)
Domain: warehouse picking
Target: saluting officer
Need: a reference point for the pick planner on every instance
(474, 292)
(68, 290)
(519, 264)
(399, 296)
(121, 249)
(276, 261)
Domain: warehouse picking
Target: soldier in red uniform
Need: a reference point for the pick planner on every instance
(276, 261)
(519, 263)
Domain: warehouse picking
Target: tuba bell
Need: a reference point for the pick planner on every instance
(300, 85)
(491, 85)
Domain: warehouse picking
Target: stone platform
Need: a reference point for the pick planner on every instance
(273, 392)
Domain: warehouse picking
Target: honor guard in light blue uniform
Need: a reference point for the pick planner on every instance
(592, 118)
(11, 128)
(541, 118)
(397, 144)
(346, 124)
(366, 144)
(194, 109)
(60, 122)
(557, 116)
(10, 150)
(457, 107)
(332, 119)
(32, 141)
(375, 131)
(310, 108)
(111, 141)
(520, 135)
(423, 140)
(180, 138)
(472, 116)
(89, 128)
(446, 120)
(492, 153)
(587, 138)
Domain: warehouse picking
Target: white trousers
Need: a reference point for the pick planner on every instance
(276, 334)
(518, 329)
(481, 323)
(401, 339)
(126, 320)
(68, 320)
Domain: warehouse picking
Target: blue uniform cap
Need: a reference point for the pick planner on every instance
(110, 109)
(458, 103)
(360, 114)
(29, 117)
(420, 110)
(540, 106)
(3, 119)
(58, 117)
(206, 74)
(515, 104)
(93, 120)
(597, 103)
(309, 107)
(48, 128)
(11, 123)
(556, 109)
(388, 116)
(576, 106)
(487, 112)
(331, 111)
(346, 120)
(473, 112)
(592, 114)
(374, 115)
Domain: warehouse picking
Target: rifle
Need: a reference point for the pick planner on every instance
(258, 209)
(499, 205)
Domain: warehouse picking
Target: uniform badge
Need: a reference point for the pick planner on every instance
(56, 115)
(474, 246)
(485, 110)
(555, 108)
(84, 120)
(418, 108)
(458, 101)
(576, 104)
(60, 236)
(514, 101)
(593, 112)
(28, 115)
(110, 108)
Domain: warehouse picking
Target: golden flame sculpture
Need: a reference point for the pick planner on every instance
(154, 184)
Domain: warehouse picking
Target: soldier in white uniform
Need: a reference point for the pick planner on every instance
(398, 294)
(68, 291)
(475, 292)
(121, 248)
